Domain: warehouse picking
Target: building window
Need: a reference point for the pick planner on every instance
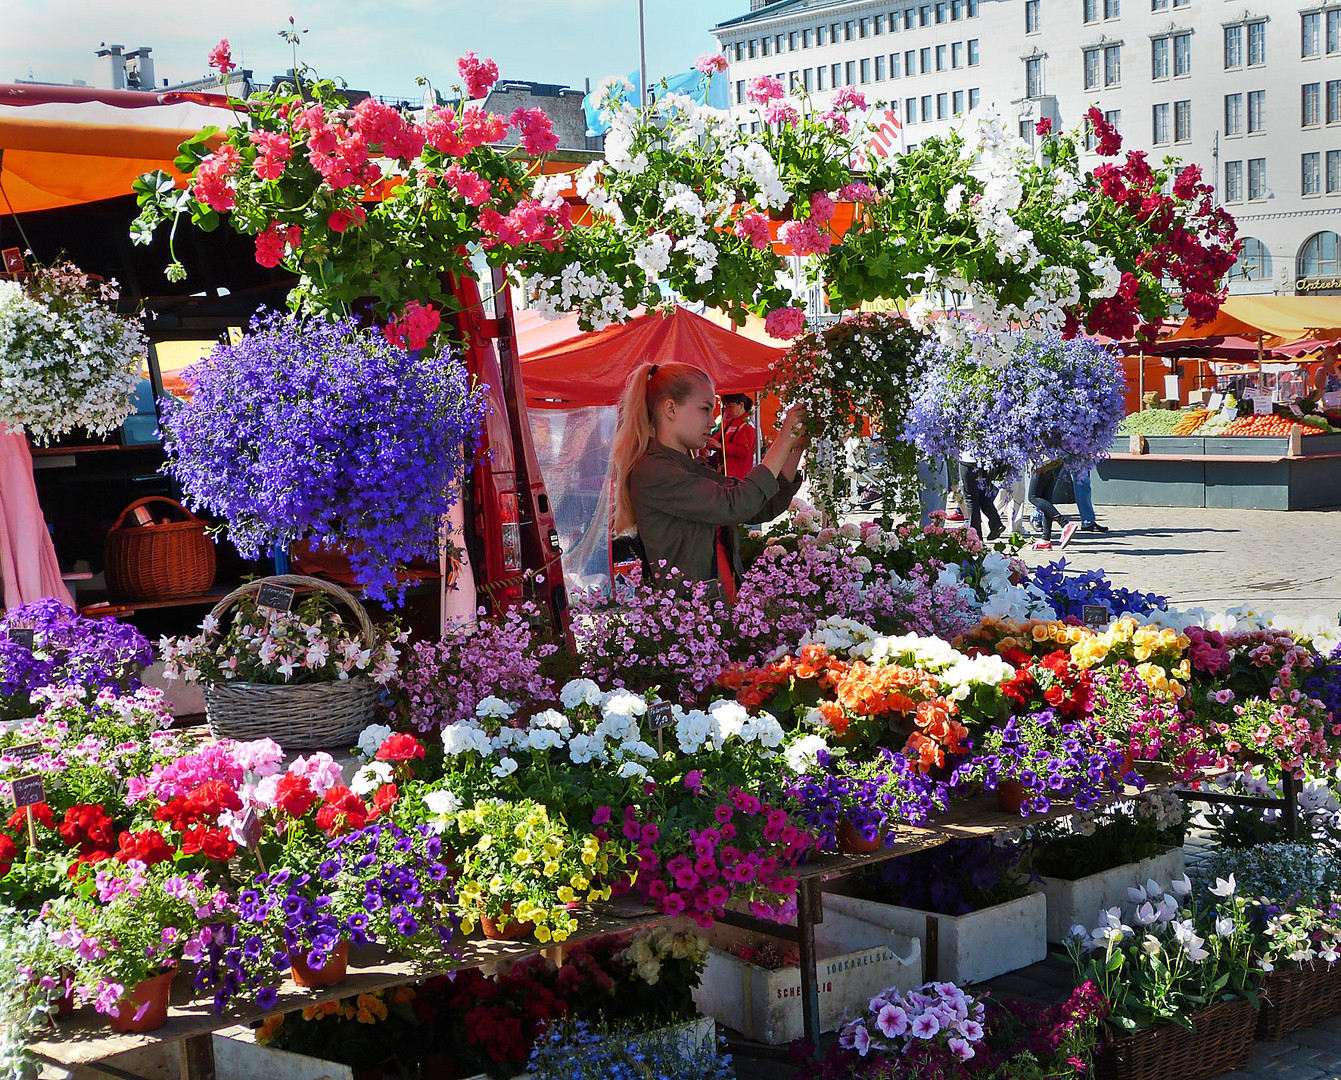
(1159, 58)
(973, 52)
(1033, 77)
(1257, 188)
(1233, 181)
(850, 73)
(941, 11)
(1182, 54)
(1031, 17)
(1334, 101)
(909, 18)
(1182, 121)
(957, 55)
(880, 68)
(794, 80)
(740, 51)
(1091, 68)
(753, 48)
(1112, 9)
(940, 57)
(864, 27)
(924, 15)
(1233, 114)
(1159, 5)
(1182, 3)
(924, 59)
(972, 14)
(878, 25)
(1256, 111)
(1233, 47)
(766, 47)
(782, 44)
(836, 76)
(1159, 127)
(821, 35)
(895, 65)
(1310, 33)
(942, 106)
(819, 78)
(807, 38)
(865, 70)
(850, 30)
(793, 40)
(1333, 172)
(910, 62)
(1257, 43)
(1310, 112)
(1321, 256)
(1091, 11)
(1310, 174)
(956, 10)
(957, 100)
(926, 108)
(1333, 31)
(740, 91)
(1112, 65)
(1254, 262)
(910, 110)
(975, 93)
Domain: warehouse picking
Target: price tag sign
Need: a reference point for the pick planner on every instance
(1217, 399)
(1262, 404)
(660, 714)
(21, 635)
(276, 597)
(1332, 400)
(1294, 409)
(27, 791)
(1095, 616)
(25, 752)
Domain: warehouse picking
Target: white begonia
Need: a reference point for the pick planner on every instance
(803, 755)
(372, 737)
(494, 707)
(372, 776)
(580, 692)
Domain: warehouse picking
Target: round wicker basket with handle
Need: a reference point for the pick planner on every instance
(304, 716)
(158, 562)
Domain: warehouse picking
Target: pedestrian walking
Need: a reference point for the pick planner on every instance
(1041, 485)
(1080, 484)
(973, 489)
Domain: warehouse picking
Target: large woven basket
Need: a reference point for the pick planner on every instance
(1298, 999)
(158, 562)
(1223, 1040)
(307, 716)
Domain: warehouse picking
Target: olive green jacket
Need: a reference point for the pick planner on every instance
(679, 502)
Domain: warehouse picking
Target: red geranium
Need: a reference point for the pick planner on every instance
(212, 843)
(294, 795)
(147, 846)
(8, 850)
(384, 800)
(342, 811)
(400, 747)
(42, 815)
(87, 827)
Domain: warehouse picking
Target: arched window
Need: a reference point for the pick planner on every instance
(1254, 262)
(1320, 257)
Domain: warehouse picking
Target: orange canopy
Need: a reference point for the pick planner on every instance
(562, 367)
(63, 145)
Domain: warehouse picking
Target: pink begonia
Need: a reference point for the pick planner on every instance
(848, 98)
(711, 63)
(754, 227)
(857, 192)
(480, 75)
(821, 208)
(805, 239)
(785, 323)
(763, 89)
(782, 112)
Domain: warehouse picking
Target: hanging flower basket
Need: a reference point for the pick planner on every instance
(1223, 1040)
(302, 716)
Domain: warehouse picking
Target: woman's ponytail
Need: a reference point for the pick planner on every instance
(648, 385)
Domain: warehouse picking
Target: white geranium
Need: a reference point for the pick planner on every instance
(495, 708)
(371, 777)
(580, 692)
(372, 737)
(803, 755)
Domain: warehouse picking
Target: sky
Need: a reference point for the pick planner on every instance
(376, 45)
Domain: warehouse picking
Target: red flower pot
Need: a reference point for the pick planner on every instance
(1009, 796)
(851, 842)
(331, 973)
(145, 1008)
(513, 931)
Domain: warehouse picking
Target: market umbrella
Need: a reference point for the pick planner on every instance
(1278, 319)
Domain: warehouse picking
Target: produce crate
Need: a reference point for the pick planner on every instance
(856, 960)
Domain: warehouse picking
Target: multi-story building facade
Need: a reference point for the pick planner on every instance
(1250, 90)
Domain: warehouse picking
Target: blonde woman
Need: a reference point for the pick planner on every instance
(682, 509)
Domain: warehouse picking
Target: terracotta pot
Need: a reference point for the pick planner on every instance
(331, 973)
(145, 1008)
(851, 842)
(1009, 796)
(513, 931)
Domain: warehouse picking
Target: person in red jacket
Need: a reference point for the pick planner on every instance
(736, 436)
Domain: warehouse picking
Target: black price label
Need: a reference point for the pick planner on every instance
(27, 791)
(25, 752)
(660, 714)
(276, 597)
(1095, 616)
(21, 635)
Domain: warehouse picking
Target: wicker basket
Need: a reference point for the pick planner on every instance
(158, 562)
(306, 716)
(1223, 1040)
(1298, 999)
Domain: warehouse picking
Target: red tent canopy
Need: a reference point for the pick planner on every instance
(564, 368)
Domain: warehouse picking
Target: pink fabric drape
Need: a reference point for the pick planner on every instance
(28, 567)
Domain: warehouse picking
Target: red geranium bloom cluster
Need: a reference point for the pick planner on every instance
(480, 74)
(529, 222)
(201, 806)
(1052, 681)
(88, 828)
(400, 747)
(294, 795)
(148, 846)
(43, 818)
(341, 811)
(537, 133)
(503, 1016)
(413, 327)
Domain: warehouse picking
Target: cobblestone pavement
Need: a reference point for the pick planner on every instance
(1286, 562)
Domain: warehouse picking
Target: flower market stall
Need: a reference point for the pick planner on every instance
(550, 837)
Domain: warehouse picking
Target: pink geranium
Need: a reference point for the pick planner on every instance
(782, 112)
(480, 75)
(785, 323)
(535, 129)
(221, 57)
(848, 98)
(754, 227)
(763, 89)
(711, 63)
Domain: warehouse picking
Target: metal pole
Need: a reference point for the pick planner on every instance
(1289, 789)
(644, 92)
(809, 911)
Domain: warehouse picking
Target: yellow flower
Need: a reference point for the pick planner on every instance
(269, 1026)
(1040, 632)
(566, 895)
(578, 882)
(1141, 653)
(542, 933)
(523, 857)
(551, 868)
(484, 843)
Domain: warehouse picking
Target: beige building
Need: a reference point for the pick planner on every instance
(1250, 90)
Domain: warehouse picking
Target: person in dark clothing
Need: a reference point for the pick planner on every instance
(973, 486)
(1041, 486)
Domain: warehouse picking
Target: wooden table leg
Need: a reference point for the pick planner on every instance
(809, 911)
(197, 1057)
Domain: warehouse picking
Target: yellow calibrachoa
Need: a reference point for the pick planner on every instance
(1157, 653)
(520, 864)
